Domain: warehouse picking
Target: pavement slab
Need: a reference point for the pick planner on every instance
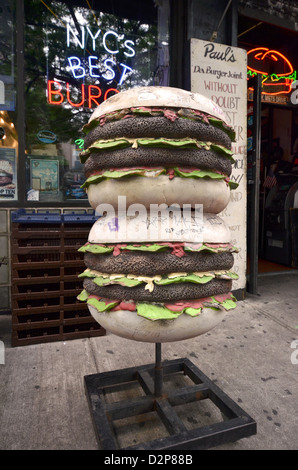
(250, 356)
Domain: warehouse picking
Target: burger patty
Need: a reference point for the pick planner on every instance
(156, 157)
(141, 127)
(171, 292)
(160, 262)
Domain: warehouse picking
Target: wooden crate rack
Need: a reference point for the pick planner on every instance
(45, 264)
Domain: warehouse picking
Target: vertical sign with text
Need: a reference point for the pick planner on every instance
(8, 171)
(219, 72)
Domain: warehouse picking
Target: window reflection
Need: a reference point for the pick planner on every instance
(8, 157)
(8, 134)
(76, 56)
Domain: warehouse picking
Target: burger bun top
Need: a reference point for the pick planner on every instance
(158, 96)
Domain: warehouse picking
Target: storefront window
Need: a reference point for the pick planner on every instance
(8, 135)
(77, 54)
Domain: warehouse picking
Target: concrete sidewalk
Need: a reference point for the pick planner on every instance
(251, 356)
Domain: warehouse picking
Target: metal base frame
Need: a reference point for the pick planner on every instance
(237, 424)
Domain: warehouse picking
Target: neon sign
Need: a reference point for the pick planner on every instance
(277, 71)
(91, 95)
(80, 143)
(79, 70)
(105, 41)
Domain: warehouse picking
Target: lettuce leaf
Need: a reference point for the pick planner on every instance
(162, 142)
(87, 273)
(100, 305)
(230, 275)
(123, 281)
(188, 278)
(130, 280)
(151, 248)
(94, 248)
(116, 174)
(228, 304)
(193, 312)
(185, 113)
(99, 145)
(218, 123)
(199, 174)
(83, 296)
(233, 184)
(155, 247)
(153, 311)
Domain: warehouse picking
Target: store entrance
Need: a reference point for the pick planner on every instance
(278, 189)
(271, 54)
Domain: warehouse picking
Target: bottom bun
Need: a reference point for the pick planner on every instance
(214, 195)
(129, 325)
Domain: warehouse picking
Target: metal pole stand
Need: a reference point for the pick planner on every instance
(147, 395)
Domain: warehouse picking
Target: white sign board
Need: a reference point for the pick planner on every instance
(219, 72)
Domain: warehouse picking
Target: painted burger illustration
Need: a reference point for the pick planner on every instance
(6, 174)
(276, 70)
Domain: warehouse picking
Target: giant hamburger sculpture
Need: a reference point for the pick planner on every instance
(158, 146)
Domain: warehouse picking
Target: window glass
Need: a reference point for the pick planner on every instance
(77, 54)
(8, 135)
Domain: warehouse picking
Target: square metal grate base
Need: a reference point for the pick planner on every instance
(236, 423)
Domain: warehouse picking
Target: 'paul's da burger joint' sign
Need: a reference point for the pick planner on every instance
(219, 72)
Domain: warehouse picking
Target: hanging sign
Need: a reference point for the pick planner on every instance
(218, 71)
